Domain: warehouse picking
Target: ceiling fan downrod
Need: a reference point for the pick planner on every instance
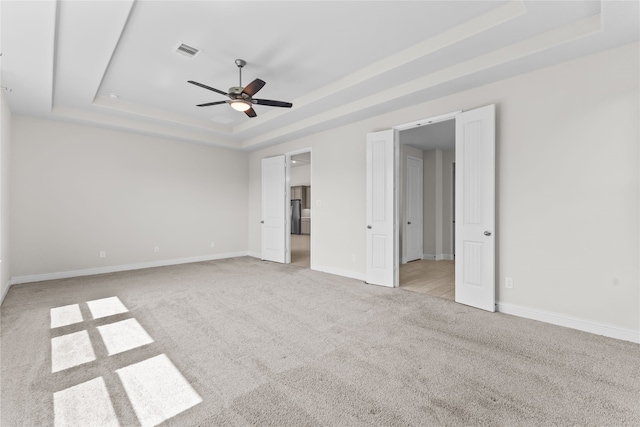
(240, 63)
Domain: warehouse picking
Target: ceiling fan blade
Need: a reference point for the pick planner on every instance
(271, 103)
(211, 103)
(253, 87)
(208, 87)
(251, 112)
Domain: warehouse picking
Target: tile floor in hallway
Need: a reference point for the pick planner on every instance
(301, 250)
(435, 278)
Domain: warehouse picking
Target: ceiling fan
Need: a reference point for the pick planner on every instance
(241, 98)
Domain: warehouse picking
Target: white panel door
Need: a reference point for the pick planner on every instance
(413, 211)
(274, 221)
(475, 208)
(381, 253)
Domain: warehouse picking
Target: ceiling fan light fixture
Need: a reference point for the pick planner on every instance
(240, 105)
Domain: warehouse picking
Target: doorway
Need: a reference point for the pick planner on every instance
(475, 206)
(426, 204)
(300, 208)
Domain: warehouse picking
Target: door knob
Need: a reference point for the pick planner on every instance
(409, 222)
(369, 227)
(487, 233)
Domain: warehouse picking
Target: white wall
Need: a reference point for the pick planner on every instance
(567, 183)
(78, 190)
(300, 175)
(338, 197)
(5, 172)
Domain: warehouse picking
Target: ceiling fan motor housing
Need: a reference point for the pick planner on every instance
(235, 92)
(241, 98)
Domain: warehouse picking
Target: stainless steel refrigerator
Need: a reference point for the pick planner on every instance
(295, 216)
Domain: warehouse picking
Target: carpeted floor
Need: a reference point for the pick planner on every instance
(245, 342)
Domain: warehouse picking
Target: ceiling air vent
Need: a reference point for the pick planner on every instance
(186, 50)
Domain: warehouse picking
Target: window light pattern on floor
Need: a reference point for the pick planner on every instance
(86, 404)
(155, 388)
(121, 336)
(106, 307)
(66, 315)
(71, 350)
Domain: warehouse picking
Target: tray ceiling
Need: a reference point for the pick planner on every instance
(114, 63)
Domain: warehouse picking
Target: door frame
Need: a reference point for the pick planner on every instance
(411, 125)
(287, 156)
(424, 122)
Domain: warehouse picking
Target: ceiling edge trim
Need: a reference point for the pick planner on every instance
(135, 126)
(457, 34)
(427, 121)
(156, 114)
(510, 53)
(115, 47)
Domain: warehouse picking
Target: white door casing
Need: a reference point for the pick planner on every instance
(274, 219)
(381, 241)
(475, 208)
(413, 210)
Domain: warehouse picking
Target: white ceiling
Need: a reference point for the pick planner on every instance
(336, 61)
(436, 136)
(302, 159)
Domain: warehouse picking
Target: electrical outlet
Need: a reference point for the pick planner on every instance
(156, 249)
(213, 244)
(103, 254)
(508, 282)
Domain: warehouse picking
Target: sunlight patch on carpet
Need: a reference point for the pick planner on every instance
(121, 336)
(106, 307)
(66, 315)
(85, 404)
(71, 350)
(157, 390)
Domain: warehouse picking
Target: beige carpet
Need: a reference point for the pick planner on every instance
(245, 342)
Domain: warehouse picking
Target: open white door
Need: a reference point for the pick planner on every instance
(475, 208)
(413, 212)
(381, 206)
(274, 221)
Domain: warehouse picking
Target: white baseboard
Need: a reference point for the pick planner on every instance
(438, 257)
(571, 322)
(4, 293)
(115, 268)
(255, 255)
(338, 272)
